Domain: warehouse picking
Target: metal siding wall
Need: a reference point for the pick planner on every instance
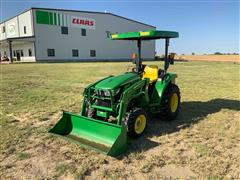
(49, 36)
(2, 35)
(25, 19)
(19, 22)
(12, 28)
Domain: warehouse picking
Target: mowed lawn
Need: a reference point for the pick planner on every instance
(203, 142)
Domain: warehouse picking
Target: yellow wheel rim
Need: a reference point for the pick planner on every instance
(174, 102)
(140, 124)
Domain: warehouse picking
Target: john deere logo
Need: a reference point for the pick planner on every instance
(11, 29)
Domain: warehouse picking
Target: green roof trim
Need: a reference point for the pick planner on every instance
(145, 35)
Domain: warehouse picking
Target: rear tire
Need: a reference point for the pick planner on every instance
(137, 122)
(170, 104)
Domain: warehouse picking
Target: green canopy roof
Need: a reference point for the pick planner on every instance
(145, 35)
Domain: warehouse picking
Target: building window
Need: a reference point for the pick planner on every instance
(14, 53)
(93, 53)
(64, 30)
(75, 52)
(25, 30)
(22, 53)
(51, 52)
(29, 52)
(3, 29)
(108, 33)
(83, 32)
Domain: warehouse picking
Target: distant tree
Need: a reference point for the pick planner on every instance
(218, 53)
(193, 53)
(183, 54)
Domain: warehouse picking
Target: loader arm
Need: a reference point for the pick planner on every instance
(137, 89)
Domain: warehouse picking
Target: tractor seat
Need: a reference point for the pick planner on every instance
(150, 72)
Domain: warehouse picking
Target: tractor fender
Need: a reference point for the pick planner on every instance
(162, 84)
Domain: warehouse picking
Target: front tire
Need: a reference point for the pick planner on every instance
(137, 122)
(170, 104)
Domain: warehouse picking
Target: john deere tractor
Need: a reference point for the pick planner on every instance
(118, 107)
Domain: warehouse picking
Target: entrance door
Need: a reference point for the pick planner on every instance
(18, 55)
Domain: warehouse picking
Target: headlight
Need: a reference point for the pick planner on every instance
(106, 93)
(115, 92)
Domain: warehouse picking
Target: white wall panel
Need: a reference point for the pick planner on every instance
(49, 36)
(25, 19)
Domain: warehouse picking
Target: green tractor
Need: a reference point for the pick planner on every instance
(118, 107)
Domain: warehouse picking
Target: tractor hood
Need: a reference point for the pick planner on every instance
(114, 82)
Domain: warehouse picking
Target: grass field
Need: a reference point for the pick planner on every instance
(203, 142)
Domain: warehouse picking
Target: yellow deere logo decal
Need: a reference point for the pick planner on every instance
(114, 36)
(147, 33)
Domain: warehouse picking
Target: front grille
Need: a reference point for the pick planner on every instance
(103, 103)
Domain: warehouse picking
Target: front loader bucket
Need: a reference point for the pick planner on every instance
(110, 139)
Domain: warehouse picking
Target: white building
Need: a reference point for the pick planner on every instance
(40, 34)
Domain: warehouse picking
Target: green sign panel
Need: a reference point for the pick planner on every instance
(49, 18)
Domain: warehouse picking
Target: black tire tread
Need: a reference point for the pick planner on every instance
(165, 111)
(132, 115)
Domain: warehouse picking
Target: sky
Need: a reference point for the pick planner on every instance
(204, 26)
